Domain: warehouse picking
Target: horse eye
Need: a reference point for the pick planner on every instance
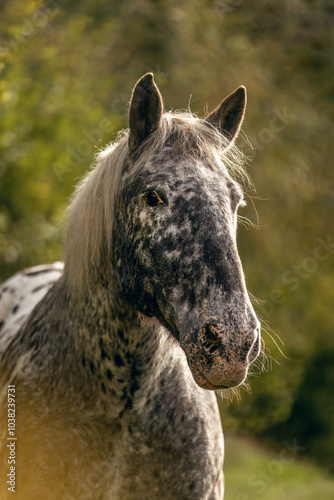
(153, 199)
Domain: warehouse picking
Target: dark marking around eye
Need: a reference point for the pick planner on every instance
(153, 199)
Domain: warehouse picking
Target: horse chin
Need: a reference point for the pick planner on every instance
(212, 381)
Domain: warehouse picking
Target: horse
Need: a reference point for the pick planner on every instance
(110, 363)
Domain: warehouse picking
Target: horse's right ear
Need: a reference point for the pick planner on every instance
(229, 115)
(145, 111)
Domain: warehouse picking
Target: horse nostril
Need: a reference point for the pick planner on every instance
(214, 342)
(211, 332)
(211, 340)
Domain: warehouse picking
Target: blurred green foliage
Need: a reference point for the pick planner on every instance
(272, 472)
(67, 68)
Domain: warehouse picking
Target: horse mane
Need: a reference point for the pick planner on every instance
(91, 212)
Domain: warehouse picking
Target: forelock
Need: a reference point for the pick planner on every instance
(187, 136)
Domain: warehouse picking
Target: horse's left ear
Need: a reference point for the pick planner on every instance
(229, 115)
(145, 111)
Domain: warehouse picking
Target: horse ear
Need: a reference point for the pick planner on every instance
(229, 115)
(145, 111)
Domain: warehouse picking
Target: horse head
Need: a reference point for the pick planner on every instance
(175, 234)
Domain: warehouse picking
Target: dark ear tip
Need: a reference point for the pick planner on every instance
(241, 93)
(148, 75)
(146, 80)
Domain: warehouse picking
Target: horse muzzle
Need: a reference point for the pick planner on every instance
(219, 359)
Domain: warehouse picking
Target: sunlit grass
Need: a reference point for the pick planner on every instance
(253, 472)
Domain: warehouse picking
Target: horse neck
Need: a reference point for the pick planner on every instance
(114, 354)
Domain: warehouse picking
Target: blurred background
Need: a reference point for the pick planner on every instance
(67, 68)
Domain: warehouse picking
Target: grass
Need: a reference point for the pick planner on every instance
(253, 472)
